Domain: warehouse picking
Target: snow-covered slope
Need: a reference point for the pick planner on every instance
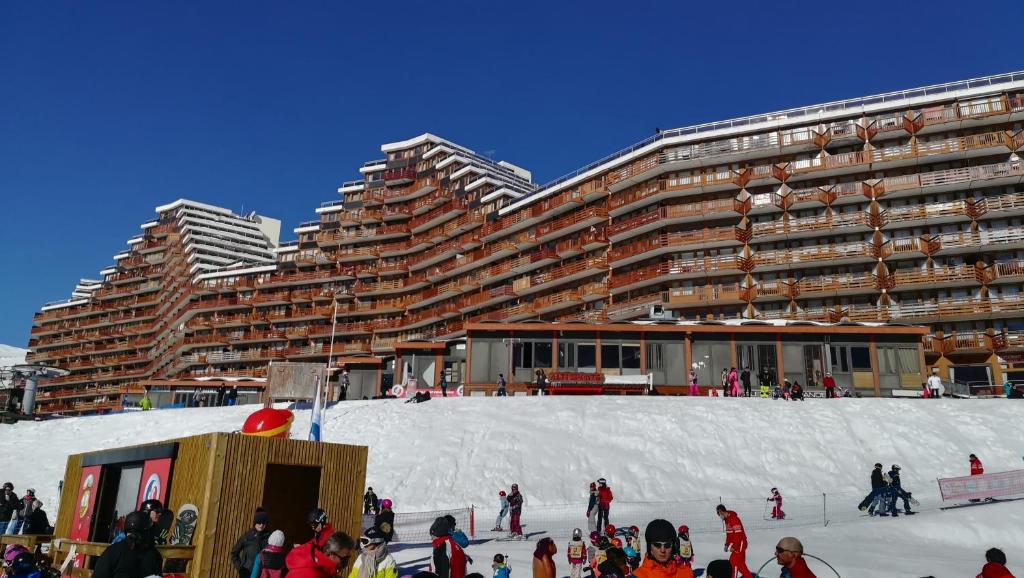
(454, 452)
(11, 355)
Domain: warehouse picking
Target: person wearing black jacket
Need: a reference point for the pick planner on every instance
(9, 503)
(877, 487)
(250, 544)
(133, 557)
(385, 520)
(36, 521)
(745, 380)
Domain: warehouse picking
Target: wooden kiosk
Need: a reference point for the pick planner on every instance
(226, 476)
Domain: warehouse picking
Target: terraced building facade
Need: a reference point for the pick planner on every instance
(906, 207)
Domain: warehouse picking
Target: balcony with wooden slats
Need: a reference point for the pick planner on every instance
(668, 242)
(949, 275)
(854, 252)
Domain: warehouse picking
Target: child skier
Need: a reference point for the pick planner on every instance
(602, 543)
(515, 508)
(592, 508)
(576, 553)
(502, 510)
(777, 513)
(685, 547)
(501, 570)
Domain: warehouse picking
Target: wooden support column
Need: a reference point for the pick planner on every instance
(873, 352)
(438, 368)
(643, 353)
(778, 356)
(469, 365)
(554, 350)
(597, 352)
(732, 350)
(688, 356)
(921, 362)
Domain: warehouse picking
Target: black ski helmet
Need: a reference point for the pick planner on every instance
(136, 522)
(661, 531)
(317, 516)
(150, 506)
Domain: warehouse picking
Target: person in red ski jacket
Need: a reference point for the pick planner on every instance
(789, 553)
(976, 468)
(604, 502)
(735, 541)
(310, 561)
(995, 565)
(449, 560)
(777, 513)
(830, 385)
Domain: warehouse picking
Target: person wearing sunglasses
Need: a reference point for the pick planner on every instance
(374, 561)
(662, 551)
(312, 561)
(789, 553)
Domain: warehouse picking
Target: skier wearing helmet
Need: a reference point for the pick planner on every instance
(322, 529)
(592, 508)
(662, 549)
(685, 547)
(604, 502)
(133, 556)
(385, 520)
(502, 510)
(777, 513)
(515, 506)
(576, 554)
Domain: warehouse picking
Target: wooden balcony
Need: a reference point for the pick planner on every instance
(399, 177)
(704, 295)
(507, 314)
(349, 236)
(571, 222)
(486, 298)
(556, 301)
(587, 241)
(587, 316)
(934, 276)
(673, 269)
(664, 216)
(847, 283)
(663, 242)
(967, 342)
(635, 307)
(1003, 272)
(857, 251)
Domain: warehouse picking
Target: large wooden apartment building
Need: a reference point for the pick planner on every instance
(903, 208)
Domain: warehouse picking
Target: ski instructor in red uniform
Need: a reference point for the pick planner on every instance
(735, 542)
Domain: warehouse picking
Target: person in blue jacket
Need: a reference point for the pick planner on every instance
(458, 535)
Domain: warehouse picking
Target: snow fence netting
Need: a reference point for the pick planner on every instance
(414, 527)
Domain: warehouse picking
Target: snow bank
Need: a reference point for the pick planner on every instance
(11, 355)
(453, 452)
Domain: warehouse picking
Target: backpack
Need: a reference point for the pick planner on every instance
(269, 572)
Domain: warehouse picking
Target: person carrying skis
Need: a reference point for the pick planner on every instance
(515, 508)
(501, 570)
(592, 508)
(449, 560)
(685, 547)
(877, 484)
(662, 549)
(369, 502)
(576, 554)
(897, 492)
(604, 502)
(502, 510)
(735, 540)
(777, 513)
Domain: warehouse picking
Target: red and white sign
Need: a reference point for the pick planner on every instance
(155, 475)
(81, 522)
(982, 486)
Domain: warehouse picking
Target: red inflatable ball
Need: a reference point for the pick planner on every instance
(269, 423)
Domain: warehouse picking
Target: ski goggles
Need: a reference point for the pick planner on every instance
(662, 545)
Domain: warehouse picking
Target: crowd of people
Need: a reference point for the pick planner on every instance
(24, 515)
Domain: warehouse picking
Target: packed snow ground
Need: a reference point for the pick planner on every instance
(450, 453)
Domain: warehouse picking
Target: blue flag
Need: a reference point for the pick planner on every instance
(317, 417)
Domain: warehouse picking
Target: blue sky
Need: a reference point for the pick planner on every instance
(108, 109)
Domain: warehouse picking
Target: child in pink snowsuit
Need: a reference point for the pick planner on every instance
(734, 382)
(694, 390)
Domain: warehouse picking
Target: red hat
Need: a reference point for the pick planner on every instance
(501, 493)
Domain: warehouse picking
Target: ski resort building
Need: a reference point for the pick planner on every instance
(902, 208)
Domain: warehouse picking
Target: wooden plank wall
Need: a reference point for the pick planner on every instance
(223, 475)
(68, 496)
(342, 477)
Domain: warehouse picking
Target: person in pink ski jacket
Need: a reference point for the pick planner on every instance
(734, 382)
